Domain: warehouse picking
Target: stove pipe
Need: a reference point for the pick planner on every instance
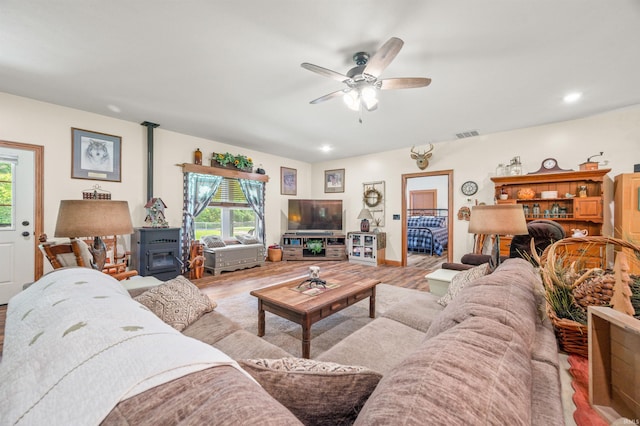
(150, 126)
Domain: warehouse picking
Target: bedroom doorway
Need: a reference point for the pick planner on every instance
(431, 192)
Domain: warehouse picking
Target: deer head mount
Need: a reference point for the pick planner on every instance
(422, 158)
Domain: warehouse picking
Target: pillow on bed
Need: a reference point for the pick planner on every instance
(427, 221)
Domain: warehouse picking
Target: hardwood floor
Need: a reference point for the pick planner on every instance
(231, 283)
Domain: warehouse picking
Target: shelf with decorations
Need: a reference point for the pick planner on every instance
(574, 199)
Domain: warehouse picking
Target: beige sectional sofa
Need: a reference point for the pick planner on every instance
(487, 358)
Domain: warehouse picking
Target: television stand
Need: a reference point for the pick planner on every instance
(314, 246)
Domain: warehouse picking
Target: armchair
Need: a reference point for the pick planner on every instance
(76, 253)
(544, 232)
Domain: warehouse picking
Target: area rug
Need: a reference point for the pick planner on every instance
(584, 414)
(243, 309)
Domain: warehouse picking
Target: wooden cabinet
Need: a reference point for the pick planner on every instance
(367, 248)
(313, 247)
(626, 216)
(573, 211)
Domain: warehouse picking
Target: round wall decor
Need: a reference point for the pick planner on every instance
(469, 187)
(372, 197)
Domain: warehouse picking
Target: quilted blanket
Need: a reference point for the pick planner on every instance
(427, 240)
(76, 344)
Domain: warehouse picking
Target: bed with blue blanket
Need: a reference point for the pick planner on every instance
(427, 234)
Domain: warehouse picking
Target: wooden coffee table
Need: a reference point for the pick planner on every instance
(307, 310)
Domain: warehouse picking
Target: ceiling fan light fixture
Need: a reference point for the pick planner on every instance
(352, 99)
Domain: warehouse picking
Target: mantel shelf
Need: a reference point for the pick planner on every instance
(219, 171)
(587, 175)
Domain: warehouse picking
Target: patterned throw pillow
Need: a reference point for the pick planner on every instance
(212, 241)
(178, 302)
(459, 281)
(321, 393)
(247, 239)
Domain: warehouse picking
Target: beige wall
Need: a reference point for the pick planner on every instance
(24, 120)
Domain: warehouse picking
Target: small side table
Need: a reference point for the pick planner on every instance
(439, 280)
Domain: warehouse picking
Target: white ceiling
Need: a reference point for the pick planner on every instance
(230, 70)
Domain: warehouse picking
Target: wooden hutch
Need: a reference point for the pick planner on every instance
(582, 209)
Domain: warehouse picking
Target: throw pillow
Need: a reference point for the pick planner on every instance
(459, 281)
(212, 241)
(247, 239)
(320, 393)
(178, 302)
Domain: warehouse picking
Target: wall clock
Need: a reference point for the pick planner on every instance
(549, 165)
(469, 187)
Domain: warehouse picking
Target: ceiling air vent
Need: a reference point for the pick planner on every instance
(468, 134)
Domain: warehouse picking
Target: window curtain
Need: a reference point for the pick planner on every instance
(198, 191)
(254, 191)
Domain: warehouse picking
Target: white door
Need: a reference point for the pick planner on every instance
(16, 221)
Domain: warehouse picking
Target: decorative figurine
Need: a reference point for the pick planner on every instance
(314, 278)
(155, 213)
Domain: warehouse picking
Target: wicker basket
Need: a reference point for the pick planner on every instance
(572, 335)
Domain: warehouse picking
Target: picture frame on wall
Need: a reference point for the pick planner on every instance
(334, 180)
(288, 181)
(95, 155)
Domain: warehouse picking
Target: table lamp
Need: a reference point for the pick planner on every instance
(365, 216)
(93, 218)
(500, 219)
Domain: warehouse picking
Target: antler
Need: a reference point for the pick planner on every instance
(422, 153)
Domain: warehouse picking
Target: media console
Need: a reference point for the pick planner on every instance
(314, 246)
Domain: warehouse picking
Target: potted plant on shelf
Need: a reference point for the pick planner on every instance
(314, 246)
(228, 160)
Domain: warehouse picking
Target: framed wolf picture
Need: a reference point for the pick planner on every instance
(95, 155)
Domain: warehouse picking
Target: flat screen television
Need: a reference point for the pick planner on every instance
(314, 215)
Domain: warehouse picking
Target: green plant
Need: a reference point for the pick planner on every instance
(314, 246)
(238, 161)
(561, 300)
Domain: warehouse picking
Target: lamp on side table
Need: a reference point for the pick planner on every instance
(500, 219)
(93, 218)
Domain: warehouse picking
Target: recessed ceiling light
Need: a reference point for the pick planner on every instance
(326, 148)
(572, 97)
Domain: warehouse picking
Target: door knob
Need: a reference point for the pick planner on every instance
(25, 234)
(25, 223)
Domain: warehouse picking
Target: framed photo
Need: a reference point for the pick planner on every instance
(95, 155)
(334, 180)
(288, 181)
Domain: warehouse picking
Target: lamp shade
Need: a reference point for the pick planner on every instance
(500, 219)
(365, 214)
(91, 218)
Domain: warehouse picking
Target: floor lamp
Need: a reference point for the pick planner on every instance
(499, 219)
(93, 218)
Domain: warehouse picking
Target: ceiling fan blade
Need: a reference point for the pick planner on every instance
(324, 71)
(329, 96)
(404, 83)
(383, 57)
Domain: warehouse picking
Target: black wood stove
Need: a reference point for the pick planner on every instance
(156, 251)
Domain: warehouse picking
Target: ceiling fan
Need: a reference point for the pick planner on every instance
(363, 82)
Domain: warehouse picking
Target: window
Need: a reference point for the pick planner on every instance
(228, 213)
(6, 194)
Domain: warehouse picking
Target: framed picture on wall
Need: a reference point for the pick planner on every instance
(334, 180)
(288, 181)
(95, 155)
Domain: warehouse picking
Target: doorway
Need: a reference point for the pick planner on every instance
(21, 183)
(419, 190)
